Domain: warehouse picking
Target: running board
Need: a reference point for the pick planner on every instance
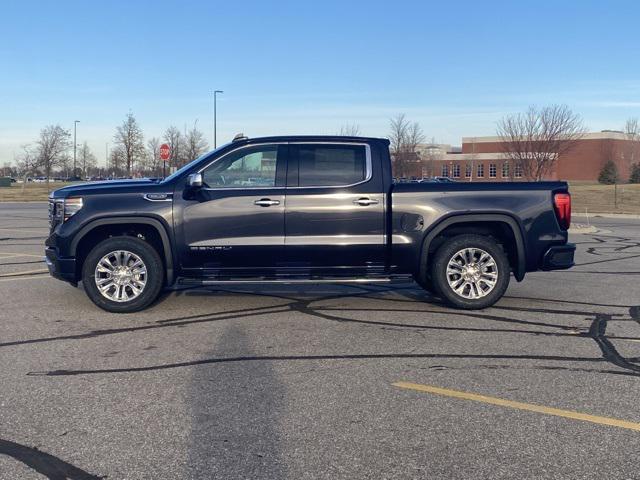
(195, 281)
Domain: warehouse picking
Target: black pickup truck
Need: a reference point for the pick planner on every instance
(303, 209)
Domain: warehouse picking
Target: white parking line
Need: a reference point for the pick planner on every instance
(17, 254)
(35, 277)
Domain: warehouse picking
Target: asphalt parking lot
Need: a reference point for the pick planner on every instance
(339, 382)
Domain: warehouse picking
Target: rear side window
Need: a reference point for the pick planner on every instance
(331, 165)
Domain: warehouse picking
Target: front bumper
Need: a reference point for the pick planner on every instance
(559, 257)
(61, 268)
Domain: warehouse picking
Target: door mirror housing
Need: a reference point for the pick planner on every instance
(194, 180)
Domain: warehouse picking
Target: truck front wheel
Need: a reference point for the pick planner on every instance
(470, 272)
(123, 274)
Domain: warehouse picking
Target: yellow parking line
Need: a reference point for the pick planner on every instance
(24, 278)
(18, 274)
(613, 422)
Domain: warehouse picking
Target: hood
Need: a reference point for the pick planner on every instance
(107, 186)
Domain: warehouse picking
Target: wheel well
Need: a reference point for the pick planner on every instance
(500, 231)
(145, 232)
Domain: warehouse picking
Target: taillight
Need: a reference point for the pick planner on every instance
(562, 206)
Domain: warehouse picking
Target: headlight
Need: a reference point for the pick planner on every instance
(72, 206)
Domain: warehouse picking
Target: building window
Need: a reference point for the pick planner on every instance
(467, 171)
(505, 170)
(480, 170)
(493, 171)
(456, 171)
(518, 171)
(445, 170)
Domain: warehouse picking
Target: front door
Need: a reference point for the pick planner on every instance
(334, 217)
(234, 224)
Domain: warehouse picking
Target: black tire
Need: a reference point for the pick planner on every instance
(154, 274)
(447, 251)
(425, 283)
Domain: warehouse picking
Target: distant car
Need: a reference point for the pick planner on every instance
(443, 180)
(13, 180)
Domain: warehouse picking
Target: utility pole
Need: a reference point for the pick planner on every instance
(75, 145)
(215, 133)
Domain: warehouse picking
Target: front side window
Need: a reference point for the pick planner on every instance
(245, 168)
(331, 165)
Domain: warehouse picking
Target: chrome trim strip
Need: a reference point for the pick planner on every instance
(240, 242)
(279, 240)
(334, 240)
(302, 280)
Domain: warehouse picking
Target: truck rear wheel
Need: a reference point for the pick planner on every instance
(470, 272)
(123, 274)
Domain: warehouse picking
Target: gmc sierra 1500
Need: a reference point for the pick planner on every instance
(303, 209)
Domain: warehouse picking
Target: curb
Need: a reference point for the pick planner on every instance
(578, 229)
(606, 215)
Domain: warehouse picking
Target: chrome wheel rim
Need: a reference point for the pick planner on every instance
(472, 273)
(121, 276)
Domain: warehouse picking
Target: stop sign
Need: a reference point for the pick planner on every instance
(164, 151)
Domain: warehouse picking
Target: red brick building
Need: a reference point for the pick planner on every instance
(482, 159)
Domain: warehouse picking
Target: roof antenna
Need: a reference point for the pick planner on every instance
(240, 136)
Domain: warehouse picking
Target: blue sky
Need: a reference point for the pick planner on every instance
(310, 67)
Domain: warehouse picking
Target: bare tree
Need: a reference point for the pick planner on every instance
(404, 137)
(52, 148)
(349, 130)
(27, 163)
(195, 143)
(174, 139)
(632, 132)
(432, 154)
(153, 155)
(117, 160)
(87, 159)
(129, 137)
(535, 139)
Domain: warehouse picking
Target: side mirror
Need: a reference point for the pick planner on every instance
(194, 180)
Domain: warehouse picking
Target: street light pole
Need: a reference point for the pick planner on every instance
(75, 124)
(215, 133)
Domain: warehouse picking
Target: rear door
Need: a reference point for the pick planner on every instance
(334, 214)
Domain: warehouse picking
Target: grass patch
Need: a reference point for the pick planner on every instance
(32, 192)
(597, 198)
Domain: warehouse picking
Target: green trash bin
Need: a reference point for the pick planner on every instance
(5, 181)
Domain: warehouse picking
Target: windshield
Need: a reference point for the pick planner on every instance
(186, 167)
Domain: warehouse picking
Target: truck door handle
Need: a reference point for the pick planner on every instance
(266, 202)
(365, 202)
